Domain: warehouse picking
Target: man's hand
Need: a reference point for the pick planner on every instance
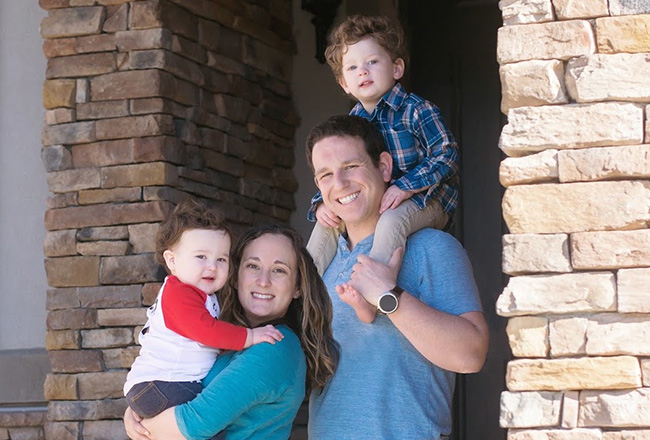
(393, 197)
(326, 217)
(372, 278)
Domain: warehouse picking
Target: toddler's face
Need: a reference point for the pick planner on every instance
(369, 72)
(201, 259)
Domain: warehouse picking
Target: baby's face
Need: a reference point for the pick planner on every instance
(201, 259)
(368, 71)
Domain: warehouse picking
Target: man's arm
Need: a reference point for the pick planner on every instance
(455, 343)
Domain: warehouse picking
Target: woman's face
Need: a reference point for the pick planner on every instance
(266, 281)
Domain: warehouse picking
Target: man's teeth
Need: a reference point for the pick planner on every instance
(261, 296)
(347, 199)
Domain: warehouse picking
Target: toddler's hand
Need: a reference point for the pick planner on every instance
(326, 217)
(257, 335)
(393, 197)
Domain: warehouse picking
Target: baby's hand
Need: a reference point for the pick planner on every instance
(326, 217)
(268, 333)
(393, 197)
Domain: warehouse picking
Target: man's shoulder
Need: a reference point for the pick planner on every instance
(428, 236)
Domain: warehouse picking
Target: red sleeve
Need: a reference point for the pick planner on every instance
(184, 312)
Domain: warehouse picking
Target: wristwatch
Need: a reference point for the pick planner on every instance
(389, 301)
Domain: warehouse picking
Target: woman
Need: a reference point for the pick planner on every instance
(256, 393)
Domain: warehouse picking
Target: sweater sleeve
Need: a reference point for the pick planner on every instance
(184, 311)
(238, 382)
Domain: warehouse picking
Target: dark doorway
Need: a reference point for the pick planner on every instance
(453, 64)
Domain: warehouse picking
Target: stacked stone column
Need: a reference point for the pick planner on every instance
(576, 86)
(148, 102)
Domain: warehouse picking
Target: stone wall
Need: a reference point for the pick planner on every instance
(148, 102)
(576, 87)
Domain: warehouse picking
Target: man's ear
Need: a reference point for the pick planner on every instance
(316, 182)
(385, 165)
(170, 261)
(398, 69)
(343, 84)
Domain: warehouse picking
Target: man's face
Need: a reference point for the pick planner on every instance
(352, 187)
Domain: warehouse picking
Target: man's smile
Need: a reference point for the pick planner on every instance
(348, 199)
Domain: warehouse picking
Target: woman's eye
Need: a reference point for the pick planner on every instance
(279, 270)
(252, 266)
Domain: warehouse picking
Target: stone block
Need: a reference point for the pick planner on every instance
(70, 22)
(555, 434)
(629, 408)
(126, 85)
(71, 319)
(96, 43)
(75, 361)
(130, 269)
(62, 430)
(77, 66)
(576, 207)
(545, 41)
(102, 110)
(532, 129)
(62, 340)
(83, 90)
(146, 15)
(72, 271)
(623, 34)
(59, 47)
(604, 163)
(104, 153)
(558, 294)
(568, 9)
(568, 336)
(121, 317)
(91, 197)
(647, 125)
(116, 19)
(103, 248)
(633, 290)
(528, 336)
(106, 338)
(98, 430)
(95, 297)
(615, 334)
(533, 253)
(150, 292)
(106, 233)
(610, 250)
(60, 243)
(61, 387)
(595, 373)
(73, 133)
(105, 385)
(570, 407)
(156, 38)
(57, 201)
(134, 126)
(159, 148)
(26, 433)
(120, 357)
(232, 108)
(60, 116)
(532, 83)
(59, 93)
(628, 7)
(87, 409)
(104, 215)
(604, 77)
(189, 49)
(143, 237)
(73, 180)
(633, 434)
(530, 409)
(275, 62)
(145, 174)
(56, 158)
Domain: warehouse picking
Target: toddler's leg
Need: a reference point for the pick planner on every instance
(149, 399)
(396, 224)
(322, 246)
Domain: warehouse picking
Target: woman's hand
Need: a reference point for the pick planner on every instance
(134, 428)
(163, 426)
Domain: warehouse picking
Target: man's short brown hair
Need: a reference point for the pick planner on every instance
(388, 34)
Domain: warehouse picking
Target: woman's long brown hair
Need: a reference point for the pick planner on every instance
(309, 316)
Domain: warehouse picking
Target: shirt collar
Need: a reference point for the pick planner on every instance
(394, 98)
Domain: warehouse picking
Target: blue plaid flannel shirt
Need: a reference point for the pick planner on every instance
(424, 151)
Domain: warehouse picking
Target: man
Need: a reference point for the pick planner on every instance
(396, 376)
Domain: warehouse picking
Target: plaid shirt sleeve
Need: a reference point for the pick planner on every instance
(441, 159)
(315, 200)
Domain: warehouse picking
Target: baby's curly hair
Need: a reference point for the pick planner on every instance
(188, 214)
(387, 33)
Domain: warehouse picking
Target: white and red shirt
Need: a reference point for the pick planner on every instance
(182, 336)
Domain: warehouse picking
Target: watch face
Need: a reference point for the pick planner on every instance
(387, 303)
